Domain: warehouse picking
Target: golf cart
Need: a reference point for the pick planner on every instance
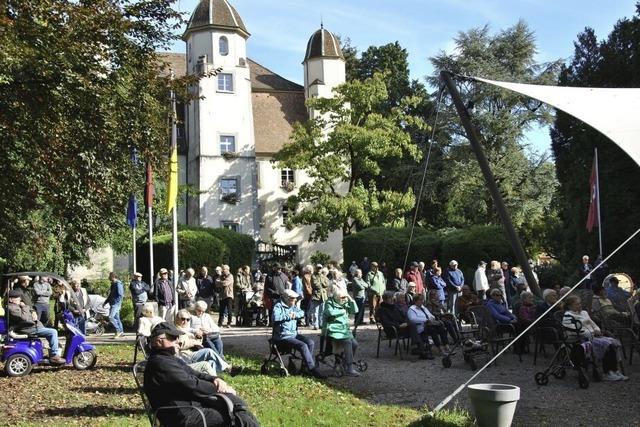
(20, 351)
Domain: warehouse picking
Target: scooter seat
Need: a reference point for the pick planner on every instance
(17, 336)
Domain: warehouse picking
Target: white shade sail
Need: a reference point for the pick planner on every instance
(613, 112)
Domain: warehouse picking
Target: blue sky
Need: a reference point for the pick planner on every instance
(280, 28)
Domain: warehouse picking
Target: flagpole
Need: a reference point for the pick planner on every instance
(174, 142)
(152, 273)
(135, 268)
(598, 201)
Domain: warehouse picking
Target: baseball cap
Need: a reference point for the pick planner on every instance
(165, 328)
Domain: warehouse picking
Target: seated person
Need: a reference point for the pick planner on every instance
(191, 349)
(603, 310)
(24, 320)
(410, 294)
(168, 381)
(422, 325)
(605, 349)
(526, 310)
(436, 307)
(285, 330)
(498, 308)
(202, 323)
(465, 301)
(400, 301)
(617, 295)
(336, 326)
(147, 322)
(389, 314)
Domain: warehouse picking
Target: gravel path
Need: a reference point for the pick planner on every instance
(416, 383)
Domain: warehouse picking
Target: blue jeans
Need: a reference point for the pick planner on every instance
(304, 345)
(43, 313)
(360, 315)
(81, 324)
(213, 343)
(51, 335)
(316, 313)
(208, 355)
(114, 317)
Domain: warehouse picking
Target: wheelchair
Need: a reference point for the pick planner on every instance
(324, 357)
(274, 363)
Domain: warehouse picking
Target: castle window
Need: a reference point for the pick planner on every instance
(225, 82)
(223, 46)
(227, 144)
(230, 225)
(287, 179)
(285, 212)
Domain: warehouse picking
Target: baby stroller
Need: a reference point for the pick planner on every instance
(274, 363)
(97, 321)
(335, 362)
(572, 352)
(252, 308)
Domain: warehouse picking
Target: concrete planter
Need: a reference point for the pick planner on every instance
(494, 404)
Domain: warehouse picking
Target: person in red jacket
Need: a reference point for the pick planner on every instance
(414, 275)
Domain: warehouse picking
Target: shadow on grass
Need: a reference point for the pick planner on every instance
(115, 368)
(92, 411)
(107, 390)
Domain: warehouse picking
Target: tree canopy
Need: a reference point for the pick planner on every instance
(342, 161)
(80, 91)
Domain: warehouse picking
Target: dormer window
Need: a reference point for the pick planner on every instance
(223, 46)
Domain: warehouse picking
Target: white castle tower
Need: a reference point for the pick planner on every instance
(220, 133)
(324, 65)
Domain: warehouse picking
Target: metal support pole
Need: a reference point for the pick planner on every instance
(516, 245)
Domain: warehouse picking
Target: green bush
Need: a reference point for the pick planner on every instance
(241, 247)
(320, 258)
(389, 245)
(477, 243)
(195, 249)
(551, 274)
(97, 286)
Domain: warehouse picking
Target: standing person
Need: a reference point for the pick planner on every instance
(307, 286)
(165, 296)
(206, 287)
(224, 285)
(320, 284)
(352, 269)
(139, 296)
(359, 288)
(241, 286)
(364, 266)
(114, 299)
(455, 281)
(398, 284)
(506, 273)
(377, 285)
(437, 283)
(187, 289)
(414, 275)
(480, 281)
(296, 285)
(42, 291)
(80, 305)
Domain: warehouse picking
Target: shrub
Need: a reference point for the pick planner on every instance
(551, 274)
(320, 258)
(389, 245)
(242, 247)
(471, 245)
(195, 249)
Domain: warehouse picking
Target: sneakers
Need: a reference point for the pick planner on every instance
(236, 370)
(621, 376)
(118, 335)
(352, 373)
(612, 376)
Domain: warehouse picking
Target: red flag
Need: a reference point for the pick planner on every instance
(592, 218)
(148, 188)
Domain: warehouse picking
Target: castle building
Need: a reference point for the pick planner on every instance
(244, 115)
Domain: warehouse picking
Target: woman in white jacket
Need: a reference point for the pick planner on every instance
(480, 280)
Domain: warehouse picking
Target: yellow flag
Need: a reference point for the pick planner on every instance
(172, 184)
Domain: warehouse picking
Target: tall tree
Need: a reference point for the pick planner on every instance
(526, 180)
(342, 195)
(79, 93)
(614, 62)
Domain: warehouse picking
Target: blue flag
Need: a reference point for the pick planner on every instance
(132, 212)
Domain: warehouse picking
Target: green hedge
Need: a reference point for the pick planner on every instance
(195, 249)
(389, 245)
(470, 245)
(241, 246)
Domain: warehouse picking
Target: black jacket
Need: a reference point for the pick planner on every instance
(390, 315)
(169, 381)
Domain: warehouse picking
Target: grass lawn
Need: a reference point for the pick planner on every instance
(107, 396)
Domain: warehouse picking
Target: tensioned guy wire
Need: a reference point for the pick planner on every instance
(424, 176)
